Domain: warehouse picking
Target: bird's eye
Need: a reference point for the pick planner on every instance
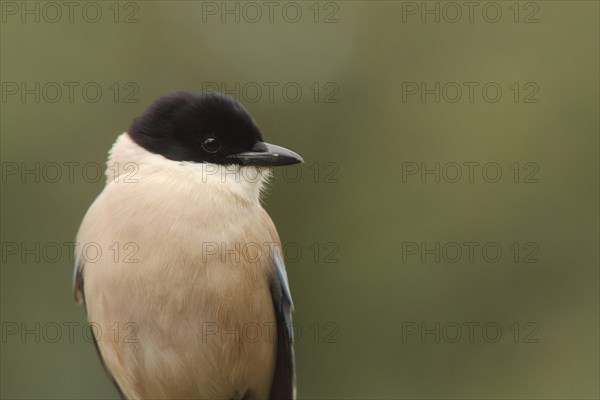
(211, 145)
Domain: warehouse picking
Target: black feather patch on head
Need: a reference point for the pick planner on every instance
(196, 126)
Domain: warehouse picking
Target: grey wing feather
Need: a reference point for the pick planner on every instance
(284, 379)
(78, 281)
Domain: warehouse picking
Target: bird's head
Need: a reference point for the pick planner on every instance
(206, 128)
(187, 139)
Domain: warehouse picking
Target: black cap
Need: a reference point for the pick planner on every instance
(206, 127)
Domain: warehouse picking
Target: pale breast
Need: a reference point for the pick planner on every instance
(181, 293)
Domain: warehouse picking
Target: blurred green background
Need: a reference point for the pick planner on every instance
(360, 292)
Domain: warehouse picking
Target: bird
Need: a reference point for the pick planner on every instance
(179, 266)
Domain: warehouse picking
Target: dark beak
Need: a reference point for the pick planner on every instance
(266, 155)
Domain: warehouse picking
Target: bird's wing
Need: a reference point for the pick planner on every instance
(78, 281)
(284, 379)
